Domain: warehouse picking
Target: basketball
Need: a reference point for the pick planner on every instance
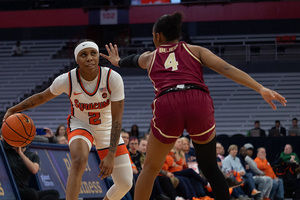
(18, 130)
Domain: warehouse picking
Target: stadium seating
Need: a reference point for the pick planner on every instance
(241, 47)
(237, 110)
(236, 107)
(21, 75)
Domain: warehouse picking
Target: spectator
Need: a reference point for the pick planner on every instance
(24, 164)
(143, 146)
(184, 188)
(135, 131)
(142, 149)
(125, 136)
(168, 183)
(61, 139)
(249, 149)
(180, 168)
(288, 155)
(136, 156)
(281, 130)
(294, 130)
(232, 165)
(138, 159)
(188, 187)
(178, 156)
(191, 161)
(264, 183)
(146, 136)
(220, 151)
(232, 182)
(277, 191)
(17, 50)
(47, 138)
(189, 153)
(61, 130)
(256, 131)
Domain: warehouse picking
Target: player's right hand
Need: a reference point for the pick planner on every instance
(113, 54)
(270, 95)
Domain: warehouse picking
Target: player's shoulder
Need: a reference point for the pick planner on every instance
(63, 76)
(111, 74)
(193, 47)
(147, 54)
(109, 70)
(145, 59)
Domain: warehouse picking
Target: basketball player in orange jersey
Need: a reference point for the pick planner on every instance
(97, 100)
(182, 101)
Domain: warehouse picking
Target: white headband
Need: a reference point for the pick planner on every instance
(85, 45)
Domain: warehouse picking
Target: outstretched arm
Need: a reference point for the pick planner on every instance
(220, 66)
(30, 102)
(134, 60)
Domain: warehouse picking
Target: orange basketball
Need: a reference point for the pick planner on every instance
(18, 130)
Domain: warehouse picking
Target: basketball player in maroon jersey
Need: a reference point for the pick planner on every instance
(182, 101)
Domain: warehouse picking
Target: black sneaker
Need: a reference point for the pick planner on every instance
(232, 183)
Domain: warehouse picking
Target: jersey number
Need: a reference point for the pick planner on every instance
(171, 62)
(94, 118)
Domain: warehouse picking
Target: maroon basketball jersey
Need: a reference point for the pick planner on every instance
(175, 64)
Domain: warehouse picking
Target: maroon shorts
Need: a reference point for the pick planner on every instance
(173, 112)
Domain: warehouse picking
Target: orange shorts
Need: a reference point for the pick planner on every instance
(121, 149)
(84, 134)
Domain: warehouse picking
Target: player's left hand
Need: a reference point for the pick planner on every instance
(113, 54)
(106, 166)
(270, 95)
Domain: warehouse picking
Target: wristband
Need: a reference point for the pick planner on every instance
(129, 61)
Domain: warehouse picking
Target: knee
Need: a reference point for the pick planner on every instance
(79, 163)
(126, 185)
(280, 182)
(152, 169)
(263, 181)
(275, 184)
(269, 179)
(123, 186)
